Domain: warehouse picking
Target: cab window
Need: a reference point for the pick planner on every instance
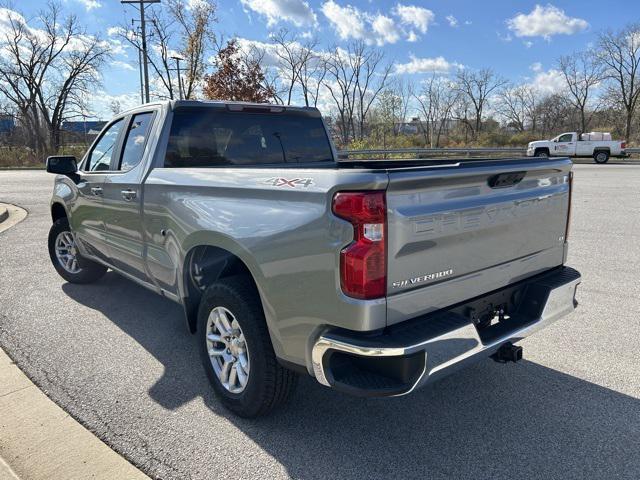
(99, 159)
(565, 138)
(135, 140)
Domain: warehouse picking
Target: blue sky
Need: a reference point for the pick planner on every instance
(520, 40)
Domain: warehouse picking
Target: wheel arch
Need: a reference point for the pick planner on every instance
(205, 263)
(58, 211)
(540, 150)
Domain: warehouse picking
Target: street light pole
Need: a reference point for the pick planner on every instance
(143, 32)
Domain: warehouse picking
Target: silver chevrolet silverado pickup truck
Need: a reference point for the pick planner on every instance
(374, 277)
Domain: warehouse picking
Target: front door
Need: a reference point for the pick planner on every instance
(122, 196)
(565, 145)
(87, 212)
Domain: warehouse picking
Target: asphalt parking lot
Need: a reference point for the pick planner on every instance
(119, 359)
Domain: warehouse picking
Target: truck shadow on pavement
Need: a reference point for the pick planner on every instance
(488, 421)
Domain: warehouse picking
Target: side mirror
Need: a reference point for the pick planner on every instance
(62, 164)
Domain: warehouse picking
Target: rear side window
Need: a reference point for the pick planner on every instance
(135, 140)
(202, 137)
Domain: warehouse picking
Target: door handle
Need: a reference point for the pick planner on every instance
(129, 194)
(96, 190)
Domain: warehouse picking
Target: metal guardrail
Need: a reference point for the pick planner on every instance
(443, 151)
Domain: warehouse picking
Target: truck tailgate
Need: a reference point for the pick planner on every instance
(458, 232)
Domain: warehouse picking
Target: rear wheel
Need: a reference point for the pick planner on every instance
(236, 350)
(601, 157)
(66, 258)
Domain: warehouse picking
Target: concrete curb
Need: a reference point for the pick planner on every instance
(41, 441)
(10, 215)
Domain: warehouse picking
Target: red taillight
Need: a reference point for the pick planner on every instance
(566, 232)
(623, 145)
(363, 263)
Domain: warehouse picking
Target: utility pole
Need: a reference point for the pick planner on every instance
(180, 90)
(143, 32)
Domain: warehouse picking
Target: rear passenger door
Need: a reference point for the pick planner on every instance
(122, 196)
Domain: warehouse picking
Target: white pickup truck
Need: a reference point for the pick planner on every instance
(570, 144)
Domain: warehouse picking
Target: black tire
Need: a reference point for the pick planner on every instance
(89, 271)
(541, 153)
(269, 385)
(601, 157)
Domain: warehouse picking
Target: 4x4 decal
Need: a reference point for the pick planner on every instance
(289, 182)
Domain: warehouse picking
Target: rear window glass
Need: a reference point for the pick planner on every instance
(202, 137)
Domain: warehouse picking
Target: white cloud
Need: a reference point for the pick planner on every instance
(545, 21)
(536, 67)
(348, 21)
(453, 21)
(115, 31)
(351, 22)
(100, 103)
(417, 17)
(195, 4)
(122, 65)
(297, 12)
(426, 65)
(90, 4)
(548, 82)
(385, 29)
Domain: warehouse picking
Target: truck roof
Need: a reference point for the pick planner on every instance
(229, 105)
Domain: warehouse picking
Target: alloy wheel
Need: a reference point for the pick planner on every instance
(67, 252)
(227, 349)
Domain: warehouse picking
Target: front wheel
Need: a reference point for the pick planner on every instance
(601, 157)
(66, 258)
(541, 154)
(236, 350)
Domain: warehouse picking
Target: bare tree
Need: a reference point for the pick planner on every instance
(554, 113)
(354, 79)
(371, 78)
(312, 76)
(436, 101)
(184, 30)
(582, 73)
(339, 82)
(517, 104)
(403, 91)
(295, 59)
(619, 53)
(477, 87)
(47, 72)
(196, 21)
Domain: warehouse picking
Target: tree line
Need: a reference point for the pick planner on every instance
(51, 66)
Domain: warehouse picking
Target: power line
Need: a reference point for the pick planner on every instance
(143, 33)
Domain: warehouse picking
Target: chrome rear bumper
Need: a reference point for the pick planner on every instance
(411, 354)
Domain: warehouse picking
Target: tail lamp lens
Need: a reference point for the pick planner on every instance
(363, 263)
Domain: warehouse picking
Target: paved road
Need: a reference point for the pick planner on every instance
(118, 358)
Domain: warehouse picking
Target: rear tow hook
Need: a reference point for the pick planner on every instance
(508, 353)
